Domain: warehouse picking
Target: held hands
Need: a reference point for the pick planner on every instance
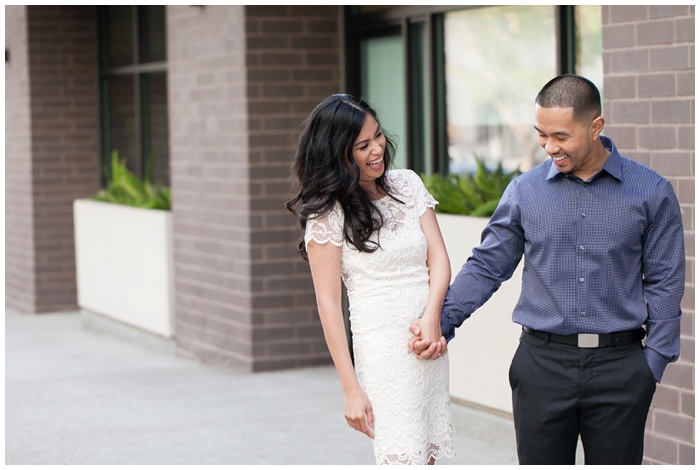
(358, 411)
(427, 341)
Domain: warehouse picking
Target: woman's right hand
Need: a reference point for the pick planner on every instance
(424, 347)
(358, 411)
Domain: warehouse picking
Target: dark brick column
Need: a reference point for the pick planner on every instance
(292, 64)
(19, 229)
(241, 79)
(648, 54)
(51, 128)
(210, 188)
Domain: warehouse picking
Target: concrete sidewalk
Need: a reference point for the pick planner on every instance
(76, 396)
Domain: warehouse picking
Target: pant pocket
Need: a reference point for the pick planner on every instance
(513, 371)
(644, 366)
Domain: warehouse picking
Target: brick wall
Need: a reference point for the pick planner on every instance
(209, 180)
(241, 79)
(650, 109)
(19, 228)
(293, 63)
(52, 150)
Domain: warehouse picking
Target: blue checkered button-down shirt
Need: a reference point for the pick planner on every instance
(601, 256)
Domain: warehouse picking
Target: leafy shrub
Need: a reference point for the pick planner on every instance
(475, 194)
(123, 187)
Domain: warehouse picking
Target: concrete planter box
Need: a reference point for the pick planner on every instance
(124, 264)
(482, 350)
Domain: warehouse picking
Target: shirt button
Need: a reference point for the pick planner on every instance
(583, 314)
(581, 248)
(583, 214)
(583, 279)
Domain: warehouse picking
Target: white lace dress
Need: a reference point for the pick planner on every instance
(387, 291)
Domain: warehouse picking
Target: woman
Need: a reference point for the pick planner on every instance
(376, 230)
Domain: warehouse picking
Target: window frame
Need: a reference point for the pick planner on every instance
(390, 20)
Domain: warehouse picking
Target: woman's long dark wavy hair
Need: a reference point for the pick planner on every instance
(327, 172)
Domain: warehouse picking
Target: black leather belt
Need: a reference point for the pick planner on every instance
(588, 340)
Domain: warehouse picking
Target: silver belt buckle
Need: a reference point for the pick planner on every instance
(587, 340)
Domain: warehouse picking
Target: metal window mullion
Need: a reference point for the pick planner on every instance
(566, 39)
(137, 89)
(106, 135)
(438, 107)
(153, 67)
(145, 124)
(106, 140)
(407, 61)
(415, 97)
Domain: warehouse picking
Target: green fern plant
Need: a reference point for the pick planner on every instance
(475, 194)
(123, 187)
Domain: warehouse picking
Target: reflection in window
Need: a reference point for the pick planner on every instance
(156, 126)
(118, 36)
(152, 34)
(497, 59)
(122, 115)
(589, 43)
(384, 89)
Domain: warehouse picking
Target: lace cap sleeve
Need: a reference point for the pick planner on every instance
(424, 199)
(326, 228)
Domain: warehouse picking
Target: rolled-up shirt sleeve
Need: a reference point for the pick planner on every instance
(663, 267)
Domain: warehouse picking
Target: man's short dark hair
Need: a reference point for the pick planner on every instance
(571, 91)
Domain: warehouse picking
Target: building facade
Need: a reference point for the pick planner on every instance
(225, 104)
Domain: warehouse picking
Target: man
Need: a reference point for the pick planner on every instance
(604, 256)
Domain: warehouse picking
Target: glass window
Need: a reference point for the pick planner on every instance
(121, 113)
(496, 60)
(471, 77)
(589, 43)
(134, 106)
(118, 36)
(156, 136)
(152, 34)
(382, 63)
(420, 92)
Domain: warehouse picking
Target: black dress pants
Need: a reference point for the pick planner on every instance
(561, 392)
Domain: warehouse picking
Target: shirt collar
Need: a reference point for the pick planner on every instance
(613, 165)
